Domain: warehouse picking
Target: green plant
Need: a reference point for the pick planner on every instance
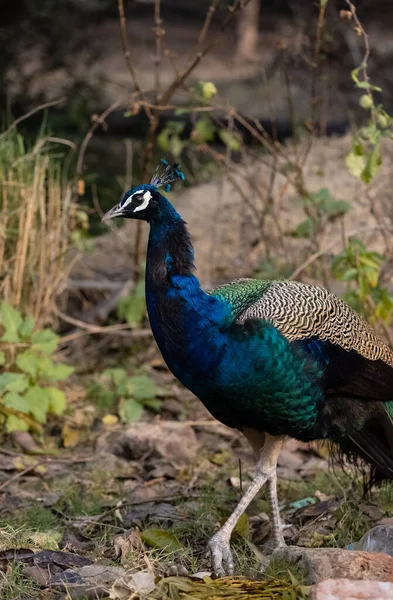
(130, 395)
(26, 357)
(13, 584)
(360, 269)
(132, 308)
(320, 208)
(365, 157)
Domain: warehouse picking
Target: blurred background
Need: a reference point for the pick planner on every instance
(279, 112)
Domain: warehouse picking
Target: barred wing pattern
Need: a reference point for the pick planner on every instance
(300, 311)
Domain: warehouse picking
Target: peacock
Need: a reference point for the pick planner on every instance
(270, 358)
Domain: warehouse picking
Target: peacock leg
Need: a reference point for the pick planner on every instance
(222, 560)
(278, 538)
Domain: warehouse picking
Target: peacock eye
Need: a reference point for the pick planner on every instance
(143, 199)
(137, 198)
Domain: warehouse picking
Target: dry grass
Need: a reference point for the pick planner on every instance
(37, 216)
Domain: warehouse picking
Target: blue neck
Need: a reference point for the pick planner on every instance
(182, 316)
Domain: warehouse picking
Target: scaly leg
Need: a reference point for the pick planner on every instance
(278, 538)
(257, 441)
(222, 560)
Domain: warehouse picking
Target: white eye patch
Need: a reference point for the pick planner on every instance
(146, 199)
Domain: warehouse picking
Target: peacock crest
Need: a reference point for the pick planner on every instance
(165, 174)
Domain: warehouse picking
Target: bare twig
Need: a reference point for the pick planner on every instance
(124, 332)
(99, 120)
(159, 32)
(92, 284)
(182, 76)
(126, 47)
(129, 163)
(89, 327)
(208, 18)
(20, 474)
(328, 247)
(32, 112)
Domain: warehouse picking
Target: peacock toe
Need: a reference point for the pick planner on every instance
(221, 556)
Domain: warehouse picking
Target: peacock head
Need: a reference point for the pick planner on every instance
(145, 201)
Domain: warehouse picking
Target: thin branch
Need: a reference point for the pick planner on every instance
(328, 246)
(92, 284)
(159, 32)
(206, 25)
(30, 114)
(99, 120)
(91, 328)
(20, 474)
(182, 76)
(125, 331)
(126, 47)
(129, 164)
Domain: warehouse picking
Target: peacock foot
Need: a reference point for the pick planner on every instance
(221, 555)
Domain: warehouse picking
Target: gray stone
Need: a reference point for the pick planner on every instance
(347, 589)
(334, 563)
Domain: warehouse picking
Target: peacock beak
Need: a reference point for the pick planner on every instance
(116, 211)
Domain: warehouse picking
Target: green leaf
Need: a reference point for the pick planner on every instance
(169, 140)
(45, 340)
(372, 165)
(365, 85)
(204, 130)
(11, 320)
(305, 229)
(132, 308)
(142, 387)
(58, 371)
(13, 382)
(176, 145)
(355, 163)
(118, 376)
(230, 139)
(15, 424)
(374, 262)
(2, 358)
(349, 274)
(28, 362)
(130, 410)
(153, 404)
(321, 197)
(101, 396)
(26, 328)
(38, 400)
(242, 527)
(57, 400)
(336, 207)
(209, 89)
(16, 402)
(164, 540)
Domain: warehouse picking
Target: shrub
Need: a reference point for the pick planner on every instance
(28, 370)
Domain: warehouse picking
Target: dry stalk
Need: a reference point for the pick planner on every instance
(35, 202)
